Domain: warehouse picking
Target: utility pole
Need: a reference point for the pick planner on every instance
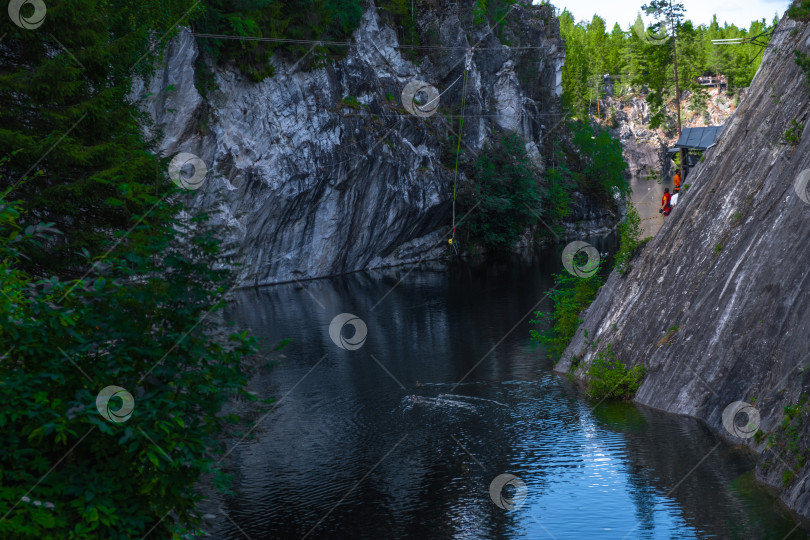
(669, 11)
(598, 91)
(677, 95)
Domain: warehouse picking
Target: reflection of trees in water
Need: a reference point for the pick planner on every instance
(643, 496)
(434, 326)
(662, 455)
(431, 324)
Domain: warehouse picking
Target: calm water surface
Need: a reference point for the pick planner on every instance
(361, 445)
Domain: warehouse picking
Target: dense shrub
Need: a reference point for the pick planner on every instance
(104, 283)
(292, 20)
(571, 295)
(600, 165)
(799, 10)
(139, 322)
(505, 196)
(629, 240)
(803, 61)
(610, 379)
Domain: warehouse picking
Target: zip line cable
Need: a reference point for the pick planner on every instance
(467, 67)
(348, 43)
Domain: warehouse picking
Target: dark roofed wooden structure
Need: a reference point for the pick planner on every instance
(698, 138)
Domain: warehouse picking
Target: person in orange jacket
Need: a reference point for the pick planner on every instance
(666, 207)
(677, 180)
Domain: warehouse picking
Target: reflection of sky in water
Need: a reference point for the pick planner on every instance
(417, 462)
(646, 198)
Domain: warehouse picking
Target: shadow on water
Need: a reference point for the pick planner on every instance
(403, 436)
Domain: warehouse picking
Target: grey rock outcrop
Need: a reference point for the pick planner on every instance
(324, 172)
(727, 269)
(645, 149)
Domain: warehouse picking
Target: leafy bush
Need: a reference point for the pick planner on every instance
(793, 134)
(350, 102)
(571, 295)
(613, 120)
(492, 11)
(480, 11)
(610, 379)
(75, 123)
(629, 240)
(510, 196)
(799, 10)
(127, 295)
(787, 440)
(697, 103)
(557, 200)
(601, 164)
(139, 322)
(506, 193)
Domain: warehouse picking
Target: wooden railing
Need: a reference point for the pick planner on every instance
(713, 81)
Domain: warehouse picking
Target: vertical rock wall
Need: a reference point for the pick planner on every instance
(717, 305)
(323, 172)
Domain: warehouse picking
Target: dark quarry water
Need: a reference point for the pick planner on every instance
(402, 435)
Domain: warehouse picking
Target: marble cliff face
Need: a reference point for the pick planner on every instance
(728, 269)
(321, 172)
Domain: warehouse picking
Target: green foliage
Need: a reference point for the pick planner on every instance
(793, 134)
(610, 379)
(67, 114)
(492, 12)
(350, 102)
(398, 14)
(803, 61)
(799, 11)
(480, 11)
(570, 295)
(103, 284)
(601, 164)
(613, 121)
(592, 51)
(506, 195)
(629, 240)
(558, 197)
(718, 248)
(698, 101)
(787, 440)
(136, 321)
(328, 20)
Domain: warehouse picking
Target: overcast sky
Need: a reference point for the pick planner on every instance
(739, 12)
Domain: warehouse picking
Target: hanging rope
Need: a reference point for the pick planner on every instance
(467, 68)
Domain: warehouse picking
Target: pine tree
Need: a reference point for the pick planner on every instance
(64, 105)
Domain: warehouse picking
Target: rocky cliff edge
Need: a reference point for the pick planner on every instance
(717, 305)
(322, 172)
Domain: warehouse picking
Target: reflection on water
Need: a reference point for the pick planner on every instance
(646, 197)
(402, 437)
